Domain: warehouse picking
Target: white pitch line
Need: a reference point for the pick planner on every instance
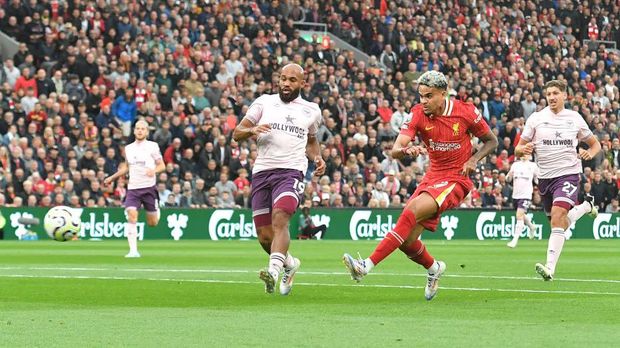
(218, 281)
(245, 271)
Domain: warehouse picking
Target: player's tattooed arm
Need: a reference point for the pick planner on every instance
(313, 152)
(247, 129)
(490, 143)
(401, 148)
(123, 169)
(594, 147)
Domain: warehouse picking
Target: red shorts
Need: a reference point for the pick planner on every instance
(447, 192)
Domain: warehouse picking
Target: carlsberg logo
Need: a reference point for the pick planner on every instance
(362, 226)
(487, 227)
(104, 228)
(604, 227)
(221, 226)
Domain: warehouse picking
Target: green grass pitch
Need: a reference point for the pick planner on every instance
(207, 294)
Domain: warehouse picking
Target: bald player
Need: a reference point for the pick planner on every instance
(143, 163)
(284, 126)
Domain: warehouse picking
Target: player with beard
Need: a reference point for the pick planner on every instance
(143, 163)
(284, 126)
(446, 127)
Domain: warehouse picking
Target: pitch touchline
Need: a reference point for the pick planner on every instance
(218, 281)
(224, 271)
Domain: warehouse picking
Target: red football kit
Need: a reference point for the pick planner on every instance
(448, 142)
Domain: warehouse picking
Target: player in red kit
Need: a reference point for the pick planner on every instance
(446, 127)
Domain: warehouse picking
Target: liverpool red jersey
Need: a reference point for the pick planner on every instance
(447, 137)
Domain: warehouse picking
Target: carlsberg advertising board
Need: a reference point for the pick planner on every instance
(344, 224)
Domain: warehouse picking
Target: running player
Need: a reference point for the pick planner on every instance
(523, 174)
(143, 162)
(285, 126)
(446, 127)
(554, 133)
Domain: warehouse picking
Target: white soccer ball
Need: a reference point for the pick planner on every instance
(61, 223)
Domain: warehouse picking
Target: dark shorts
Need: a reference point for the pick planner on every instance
(147, 196)
(522, 203)
(269, 186)
(561, 191)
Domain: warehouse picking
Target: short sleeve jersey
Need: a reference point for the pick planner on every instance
(555, 138)
(524, 173)
(141, 156)
(447, 137)
(284, 147)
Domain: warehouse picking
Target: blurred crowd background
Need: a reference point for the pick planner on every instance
(87, 70)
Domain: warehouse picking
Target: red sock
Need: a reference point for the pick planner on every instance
(395, 237)
(417, 252)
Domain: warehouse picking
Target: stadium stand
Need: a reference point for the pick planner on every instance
(85, 71)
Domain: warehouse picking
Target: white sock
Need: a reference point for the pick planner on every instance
(132, 237)
(368, 265)
(289, 261)
(556, 242)
(518, 229)
(434, 268)
(276, 263)
(578, 211)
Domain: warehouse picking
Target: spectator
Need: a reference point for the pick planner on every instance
(168, 77)
(223, 185)
(244, 200)
(391, 183)
(125, 110)
(307, 228)
(24, 82)
(173, 153)
(199, 196)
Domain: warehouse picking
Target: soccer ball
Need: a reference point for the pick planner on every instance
(61, 223)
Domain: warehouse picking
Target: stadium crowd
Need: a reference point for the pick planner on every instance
(85, 71)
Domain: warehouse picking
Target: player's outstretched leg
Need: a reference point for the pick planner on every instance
(586, 207)
(357, 267)
(419, 208)
(393, 239)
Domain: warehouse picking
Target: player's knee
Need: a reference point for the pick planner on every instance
(280, 219)
(286, 204)
(423, 206)
(152, 222)
(132, 215)
(558, 217)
